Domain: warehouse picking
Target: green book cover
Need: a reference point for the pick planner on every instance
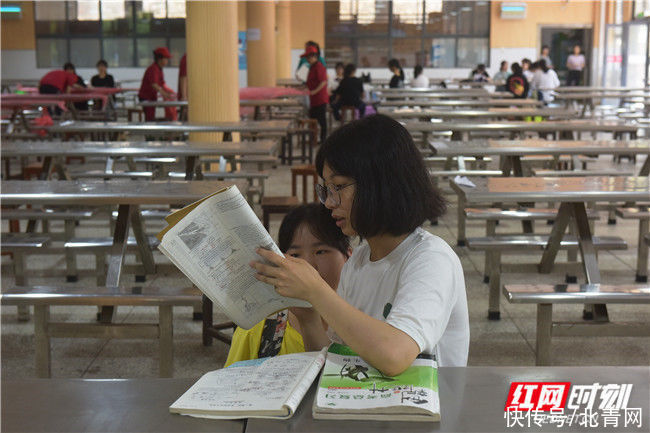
(350, 388)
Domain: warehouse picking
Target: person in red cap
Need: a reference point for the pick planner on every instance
(153, 82)
(317, 85)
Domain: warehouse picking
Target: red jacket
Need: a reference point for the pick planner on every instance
(317, 74)
(59, 79)
(153, 74)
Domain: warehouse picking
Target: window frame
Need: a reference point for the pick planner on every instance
(424, 35)
(133, 35)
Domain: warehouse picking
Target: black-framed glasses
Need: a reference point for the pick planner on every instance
(324, 191)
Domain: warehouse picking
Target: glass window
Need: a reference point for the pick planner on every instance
(83, 17)
(177, 49)
(50, 17)
(472, 51)
(372, 16)
(442, 53)
(407, 18)
(51, 53)
(150, 17)
(117, 18)
(145, 47)
(118, 52)
(372, 53)
(176, 9)
(408, 51)
(84, 53)
(338, 18)
(339, 50)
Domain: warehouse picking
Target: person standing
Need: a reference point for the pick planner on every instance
(153, 82)
(182, 85)
(545, 81)
(317, 85)
(575, 63)
(546, 56)
(501, 77)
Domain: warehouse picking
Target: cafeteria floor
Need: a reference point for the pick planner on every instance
(508, 342)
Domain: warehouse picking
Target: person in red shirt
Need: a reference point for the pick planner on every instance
(317, 85)
(57, 81)
(153, 82)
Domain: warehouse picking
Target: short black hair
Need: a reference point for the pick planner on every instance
(516, 69)
(349, 70)
(394, 192)
(320, 223)
(69, 65)
(417, 71)
(545, 47)
(526, 60)
(339, 65)
(394, 63)
(102, 62)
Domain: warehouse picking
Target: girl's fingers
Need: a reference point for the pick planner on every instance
(265, 269)
(268, 280)
(272, 257)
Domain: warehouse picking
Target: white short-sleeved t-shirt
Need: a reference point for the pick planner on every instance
(418, 288)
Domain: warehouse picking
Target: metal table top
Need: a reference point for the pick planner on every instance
(171, 127)
(163, 103)
(517, 126)
(242, 103)
(480, 114)
(114, 192)
(539, 147)
(78, 405)
(556, 189)
(472, 399)
(136, 148)
(599, 95)
(463, 103)
(576, 89)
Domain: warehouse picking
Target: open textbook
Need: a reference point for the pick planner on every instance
(212, 241)
(350, 388)
(260, 388)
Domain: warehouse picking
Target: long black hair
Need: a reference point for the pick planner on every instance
(394, 63)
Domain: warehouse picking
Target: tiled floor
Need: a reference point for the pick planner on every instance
(510, 341)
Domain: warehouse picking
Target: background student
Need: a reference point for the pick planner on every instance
(80, 83)
(517, 84)
(153, 82)
(402, 292)
(480, 74)
(546, 56)
(307, 232)
(303, 66)
(525, 67)
(501, 76)
(419, 79)
(103, 78)
(397, 80)
(317, 85)
(333, 82)
(349, 93)
(545, 80)
(575, 63)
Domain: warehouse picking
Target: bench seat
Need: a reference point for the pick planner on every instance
(545, 295)
(517, 214)
(580, 173)
(495, 246)
(47, 214)
(44, 329)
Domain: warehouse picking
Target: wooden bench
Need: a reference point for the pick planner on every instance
(546, 295)
(495, 246)
(99, 247)
(44, 329)
(643, 215)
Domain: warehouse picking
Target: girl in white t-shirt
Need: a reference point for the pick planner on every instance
(402, 292)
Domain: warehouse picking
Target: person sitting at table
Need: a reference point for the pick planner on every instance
(517, 84)
(80, 105)
(103, 78)
(480, 74)
(545, 80)
(333, 82)
(397, 80)
(310, 233)
(153, 82)
(402, 291)
(419, 79)
(501, 77)
(349, 93)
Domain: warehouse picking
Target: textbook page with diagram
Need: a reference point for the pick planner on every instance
(212, 241)
(270, 387)
(350, 388)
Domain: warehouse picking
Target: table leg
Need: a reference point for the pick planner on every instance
(544, 326)
(116, 256)
(557, 233)
(645, 169)
(190, 162)
(143, 242)
(42, 341)
(166, 341)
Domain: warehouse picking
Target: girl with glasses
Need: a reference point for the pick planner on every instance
(402, 292)
(309, 233)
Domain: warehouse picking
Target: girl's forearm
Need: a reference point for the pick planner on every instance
(386, 348)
